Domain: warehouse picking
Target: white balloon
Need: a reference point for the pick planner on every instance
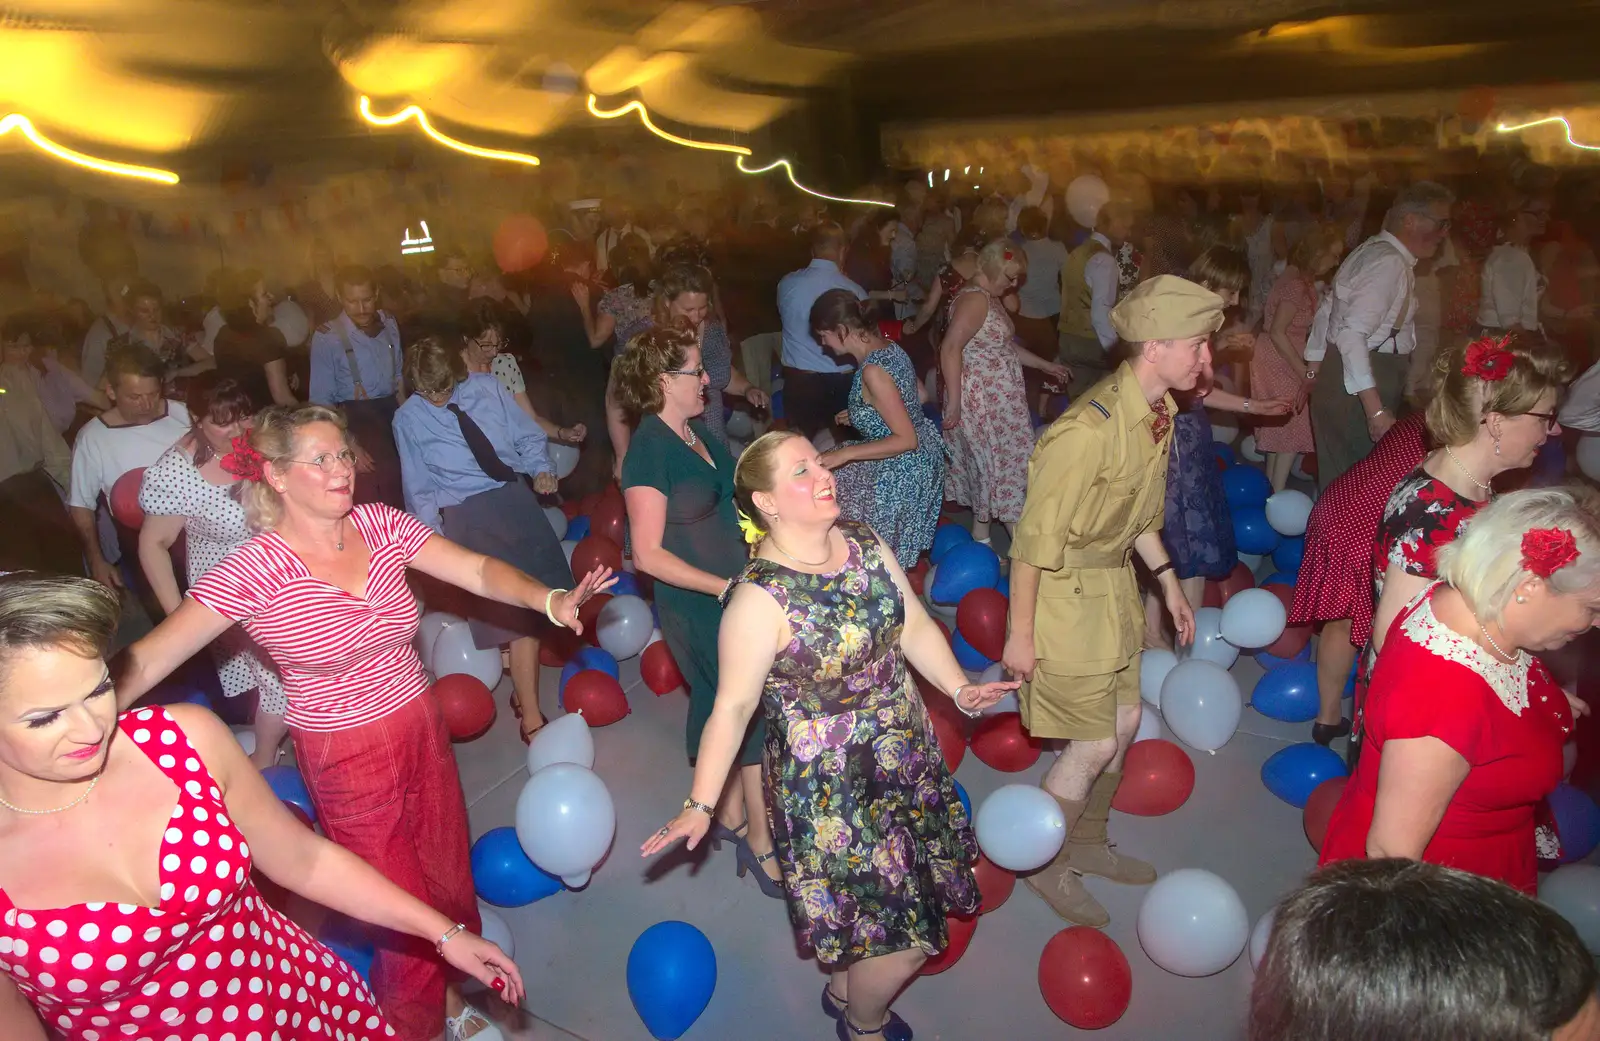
(1224, 429)
(1589, 456)
(1573, 890)
(1208, 643)
(1086, 196)
(428, 630)
(289, 318)
(454, 651)
(246, 738)
(1192, 923)
(495, 930)
(1253, 618)
(1020, 827)
(565, 739)
(655, 637)
(1154, 664)
(564, 458)
(567, 546)
(625, 625)
(1201, 705)
(740, 425)
(1248, 449)
(1149, 724)
(566, 821)
(558, 521)
(1288, 511)
(1259, 937)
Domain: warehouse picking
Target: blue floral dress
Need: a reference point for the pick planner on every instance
(1198, 529)
(898, 497)
(874, 844)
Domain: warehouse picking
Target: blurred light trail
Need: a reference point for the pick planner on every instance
(1503, 129)
(414, 112)
(17, 121)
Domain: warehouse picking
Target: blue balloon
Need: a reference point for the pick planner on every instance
(961, 793)
(1284, 578)
(577, 528)
(287, 784)
(1224, 452)
(1293, 773)
(1005, 586)
(931, 410)
(968, 656)
(502, 873)
(1251, 532)
(1577, 822)
(776, 404)
(672, 972)
(945, 538)
(589, 658)
(1268, 662)
(627, 585)
(349, 940)
(1245, 486)
(1288, 554)
(969, 566)
(1288, 692)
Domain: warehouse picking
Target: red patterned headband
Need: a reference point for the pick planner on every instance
(244, 462)
(1547, 550)
(1489, 359)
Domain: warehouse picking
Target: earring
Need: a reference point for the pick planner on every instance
(1522, 599)
(1497, 446)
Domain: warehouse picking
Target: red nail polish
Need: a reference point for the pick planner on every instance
(498, 984)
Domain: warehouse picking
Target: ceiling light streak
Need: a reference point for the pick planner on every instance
(1504, 129)
(17, 121)
(414, 112)
(788, 170)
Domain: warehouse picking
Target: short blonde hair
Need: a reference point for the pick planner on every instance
(431, 367)
(1002, 258)
(1484, 562)
(754, 473)
(1460, 402)
(274, 437)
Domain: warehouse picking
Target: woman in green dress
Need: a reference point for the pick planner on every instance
(677, 481)
(875, 846)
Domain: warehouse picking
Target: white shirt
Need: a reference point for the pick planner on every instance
(101, 454)
(1101, 274)
(92, 364)
(1372, 299)
(1581, 411)
(1040, 295)
(1511, 289)
(212, 325)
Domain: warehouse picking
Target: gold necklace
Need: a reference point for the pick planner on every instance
(797, 560)
(39, 813)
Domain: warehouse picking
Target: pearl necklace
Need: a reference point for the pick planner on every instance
(39, 813)
(1482, 629)
(689, 436)
(1464, 470)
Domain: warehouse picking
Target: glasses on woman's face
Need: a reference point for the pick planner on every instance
(696, 373)
(328, 462)
(1549, 419)
(490, 344)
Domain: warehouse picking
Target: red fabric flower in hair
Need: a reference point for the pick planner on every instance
(1547, 550)
(1489, 359)
(244, 462)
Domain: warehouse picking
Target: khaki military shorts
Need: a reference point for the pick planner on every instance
(1078, 708)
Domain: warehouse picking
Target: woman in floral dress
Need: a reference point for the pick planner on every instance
(987, 426)
(875, 847)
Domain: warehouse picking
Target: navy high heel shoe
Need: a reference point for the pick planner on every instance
(830, 1004)
(750, 861)
(893, 1029)
(721, 833)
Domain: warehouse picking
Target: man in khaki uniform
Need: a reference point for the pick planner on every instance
(1096, 493)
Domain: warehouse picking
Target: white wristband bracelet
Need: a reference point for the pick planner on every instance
(547, 613)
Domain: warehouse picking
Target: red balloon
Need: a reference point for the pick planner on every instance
(950, 731)
(125, 499)
(917, 576)
(961, 930)
(609, 517)
(981, 618)
(1295, 637)
(597, 695)
(994, 884)
(1308, 464)
(592, 551)
(571, 508)
(589, 615)
(1001, 743)
(1238, 580)
(466, 703)
(1157, 778)
(520, 243)
(1319, 809)
(1085, 978)
(659, 669)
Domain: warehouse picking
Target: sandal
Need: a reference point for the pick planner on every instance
(756, 863)
(522, 726)
(894, 1029)
(471, 1025)
(831, 1004)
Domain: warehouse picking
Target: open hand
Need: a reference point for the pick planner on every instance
(486, 963)
(1579, 706)
(564, 607)
(1271, 406)
(690, 824)
(975, 697)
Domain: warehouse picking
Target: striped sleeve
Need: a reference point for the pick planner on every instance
(240, 586)
(398, 528)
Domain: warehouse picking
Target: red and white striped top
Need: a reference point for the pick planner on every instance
(346, 660)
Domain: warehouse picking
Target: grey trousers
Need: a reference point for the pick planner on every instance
(1338, 421)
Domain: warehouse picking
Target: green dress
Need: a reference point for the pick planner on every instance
(702, 530)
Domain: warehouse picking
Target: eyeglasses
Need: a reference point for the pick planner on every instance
(696, 373)
(327, 462)
(1548, 417)
(489, 345)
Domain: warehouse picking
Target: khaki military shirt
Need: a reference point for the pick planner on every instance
(1096, 481)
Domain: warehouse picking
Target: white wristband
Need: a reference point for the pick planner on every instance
(547, 612)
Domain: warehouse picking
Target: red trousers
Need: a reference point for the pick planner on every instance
(388, 792)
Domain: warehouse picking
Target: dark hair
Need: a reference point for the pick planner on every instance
(142, 287)
(218, 399)
(631, 261)
(565, 255)
(1032, 222)
(235, 289)
(354, 275)
(839, 309)
(1219, 269)
(478, 317)
(40, 327)
(134, 359)
(636, 374)
(1397, 950)
(827, 237)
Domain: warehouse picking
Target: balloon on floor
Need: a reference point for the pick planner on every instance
(595, 550)
(1577, 822)
(1192, 923)
(1260, 936)
(585, 658)
(1200, 704)
(428, 629)
(1085, 978)
(995, 884)
(1573, 891)
(961, 793)
(564, 458)
(1251, 532)
(1002, 744)
(351, 941)
(558, 521)
(1246, 487)
(659, 669)
(966, 656)
(578, 528)
(1020, 827)
(598, 696)
(1154, 664)
(1288, 512)
(566, 821)
(1208, 643)
(287, 784)
(1217, 594)
(124, 499)
(1149, 726)
(589, 616)
(981, 620)
(1287, 692)
(455, 651)
(624, 626)
(1295, 638)
(1288, 554)
(1253, 618)
(1319, 809)
(1157, 778)
(1293, 773)
(495, 930)
(968, 566)
(959, 928)
(1248, 449)
(945, 538)
(609, 517)
(466, 704)
(672, 973)
(503, 875)
(565, 739)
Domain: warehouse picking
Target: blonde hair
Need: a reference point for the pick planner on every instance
(1484, 562)
(274, 437)
(754, 473)
(1002, 258)
(636, 374)
(674, 282)
(433, 368)
(1313, 243)
(50, 611)
(1460, 402)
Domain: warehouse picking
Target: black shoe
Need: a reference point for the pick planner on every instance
(1324, 733)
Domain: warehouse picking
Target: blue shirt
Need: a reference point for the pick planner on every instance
(797, 292)
(436, 466)
(377, 358)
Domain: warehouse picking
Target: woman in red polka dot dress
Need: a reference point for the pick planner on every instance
(126, 846)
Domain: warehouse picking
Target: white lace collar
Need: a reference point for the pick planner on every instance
(1508, 680)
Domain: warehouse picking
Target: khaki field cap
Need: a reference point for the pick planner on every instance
(1167, 308)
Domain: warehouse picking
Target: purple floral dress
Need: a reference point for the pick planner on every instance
(874, 844)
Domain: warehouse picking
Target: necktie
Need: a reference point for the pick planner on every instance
(481, 447)
(1161, 424)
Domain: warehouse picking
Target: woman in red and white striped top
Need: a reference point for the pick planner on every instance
(323, 588)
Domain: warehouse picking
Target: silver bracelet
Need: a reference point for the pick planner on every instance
(551, 595)
(956, 697)
(438, 945)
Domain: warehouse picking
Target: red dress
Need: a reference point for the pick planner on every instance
(1508, 721)
(1336, 575)
(211, 961)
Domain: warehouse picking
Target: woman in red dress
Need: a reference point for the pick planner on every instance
(1464, 725)
(322, 588)
(126, 848)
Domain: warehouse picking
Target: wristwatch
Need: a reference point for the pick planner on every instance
(1311, 374)
(690, 804)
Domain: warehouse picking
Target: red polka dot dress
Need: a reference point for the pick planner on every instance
(212, 962)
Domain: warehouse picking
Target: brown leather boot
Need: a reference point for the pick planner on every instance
(1061, 887)
(1088, 849)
